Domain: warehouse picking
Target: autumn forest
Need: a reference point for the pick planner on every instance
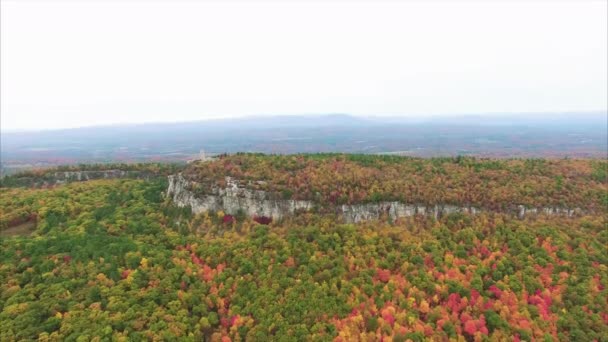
(115, 259)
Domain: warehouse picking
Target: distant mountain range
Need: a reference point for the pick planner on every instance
(570, 134)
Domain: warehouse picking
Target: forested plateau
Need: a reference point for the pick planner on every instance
(115, 259)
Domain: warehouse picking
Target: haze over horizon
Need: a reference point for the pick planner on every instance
(67, 64)
(564, 118)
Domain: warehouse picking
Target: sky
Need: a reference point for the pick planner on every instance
(83, 63)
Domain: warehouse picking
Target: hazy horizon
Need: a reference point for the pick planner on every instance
(548, 135)
(68, 64)
(491, 117)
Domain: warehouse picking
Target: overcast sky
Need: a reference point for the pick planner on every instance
(82, 63)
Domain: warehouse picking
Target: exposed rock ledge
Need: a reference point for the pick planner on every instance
(259, 203)
(232, 199)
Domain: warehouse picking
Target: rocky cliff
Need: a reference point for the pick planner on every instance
(234, 198)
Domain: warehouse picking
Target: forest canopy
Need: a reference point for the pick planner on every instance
(114, 259)
(359, 178)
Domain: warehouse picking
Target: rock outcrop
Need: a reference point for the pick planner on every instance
(395, 210)
(234, 198)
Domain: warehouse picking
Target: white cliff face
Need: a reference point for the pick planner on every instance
(522, 211)
(232, 199)
(394, 210)
(259, 203)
